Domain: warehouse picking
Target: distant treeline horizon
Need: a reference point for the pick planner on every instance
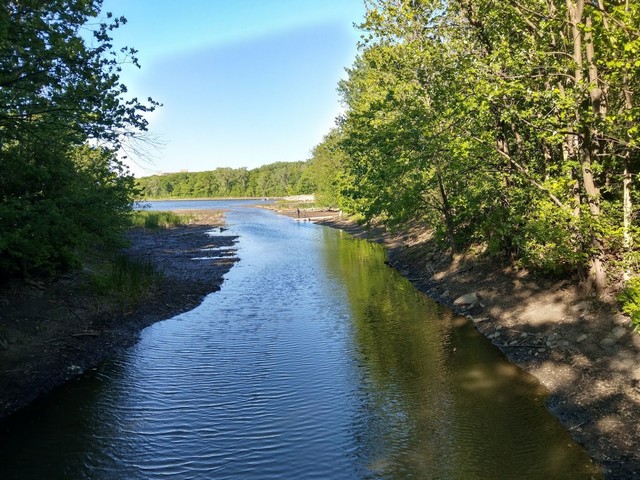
(273, 180)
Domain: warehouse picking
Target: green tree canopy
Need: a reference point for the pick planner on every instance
(274, 180)
(509, 124)
(60, 92)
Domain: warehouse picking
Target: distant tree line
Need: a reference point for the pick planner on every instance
(273, 180)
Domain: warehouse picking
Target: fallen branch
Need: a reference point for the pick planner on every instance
(86, 334)
(521, 345)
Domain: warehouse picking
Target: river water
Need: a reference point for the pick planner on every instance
(314, 360)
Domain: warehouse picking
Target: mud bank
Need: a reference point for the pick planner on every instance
(52, 332)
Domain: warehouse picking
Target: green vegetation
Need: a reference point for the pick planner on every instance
(273, 180)
(63, 116)
(159, 219)
(630, 300)
(123, 281)
(513, 126)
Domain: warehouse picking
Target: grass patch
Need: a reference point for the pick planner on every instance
(159, 219)
(123, 281)
(296, 204)
(155, 220)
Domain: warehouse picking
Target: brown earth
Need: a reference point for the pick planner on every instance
(53, 331)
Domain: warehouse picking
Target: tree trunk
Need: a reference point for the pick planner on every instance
(446, 210)
(575, 9)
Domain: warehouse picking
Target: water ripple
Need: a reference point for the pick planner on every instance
(315, 360)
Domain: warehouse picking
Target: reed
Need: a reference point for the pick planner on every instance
(155, 220)
(125, 282)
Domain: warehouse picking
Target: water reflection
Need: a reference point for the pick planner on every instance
(315, 360)
(442, 402)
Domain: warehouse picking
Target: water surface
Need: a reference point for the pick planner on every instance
(315, 360)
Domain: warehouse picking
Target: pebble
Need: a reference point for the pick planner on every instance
(578, 307)
(618, 332)
(582, 338)
(468, 299)
(608, 342)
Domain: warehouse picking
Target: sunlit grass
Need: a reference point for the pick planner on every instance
(159, 219)
(155, 220)
(122, 281)
(283, 204)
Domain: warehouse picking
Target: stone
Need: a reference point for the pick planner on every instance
(618, 332)
(468, 299)
(608, 342)
(582, 338)
(579, 307)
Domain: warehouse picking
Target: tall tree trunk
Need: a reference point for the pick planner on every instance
(576, 12)
(627, 181)
(446, 210)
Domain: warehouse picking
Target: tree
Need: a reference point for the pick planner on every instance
(324, 167)
(510, 123)
(61, 92)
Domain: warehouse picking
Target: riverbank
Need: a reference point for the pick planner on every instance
(53, 331)
(582, 350)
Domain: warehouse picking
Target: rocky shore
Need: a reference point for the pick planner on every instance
(581, 349)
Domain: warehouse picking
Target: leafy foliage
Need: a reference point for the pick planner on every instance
(513, 125)
(64, 115)
(274, 180)
(630, 300)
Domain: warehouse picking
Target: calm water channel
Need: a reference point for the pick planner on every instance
(315, 360)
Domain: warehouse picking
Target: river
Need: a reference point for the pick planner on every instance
(314, 360)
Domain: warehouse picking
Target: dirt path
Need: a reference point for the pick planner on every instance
(54, 331)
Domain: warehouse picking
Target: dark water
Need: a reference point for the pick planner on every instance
(315, 360)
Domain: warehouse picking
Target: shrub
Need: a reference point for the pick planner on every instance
(630, 300)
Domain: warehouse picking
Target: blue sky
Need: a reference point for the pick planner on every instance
(243, 82)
